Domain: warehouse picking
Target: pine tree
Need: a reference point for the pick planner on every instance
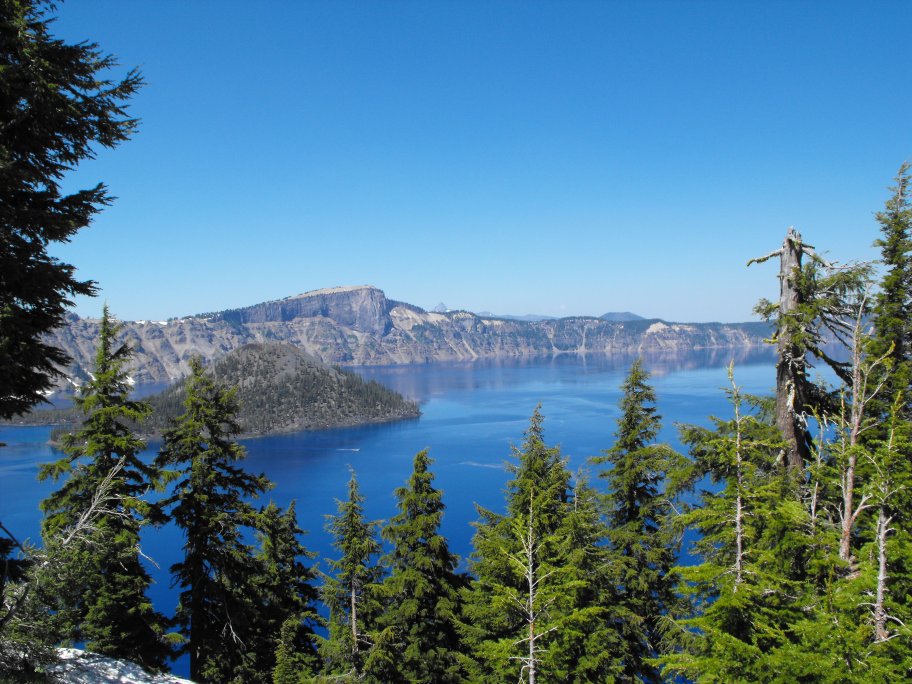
(422, 589)
(209, 503)
(753, 589)
(589, 645)
(522, 603)
(58, 105)
(892, 327)
(636, 505)
(111, 612)
(286, 615)
(352, 593)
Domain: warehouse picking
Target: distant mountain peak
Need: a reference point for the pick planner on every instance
(621, 317)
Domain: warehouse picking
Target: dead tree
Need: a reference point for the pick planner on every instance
(791, 364)
(814, 309)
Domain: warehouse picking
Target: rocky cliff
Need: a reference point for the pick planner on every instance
(360, 326)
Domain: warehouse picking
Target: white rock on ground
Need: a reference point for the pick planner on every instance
(81, 667)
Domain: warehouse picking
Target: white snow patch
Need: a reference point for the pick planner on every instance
(81, 667)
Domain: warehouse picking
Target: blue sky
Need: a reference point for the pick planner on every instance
(517, 157)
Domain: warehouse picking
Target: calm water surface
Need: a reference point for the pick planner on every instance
(472, 414)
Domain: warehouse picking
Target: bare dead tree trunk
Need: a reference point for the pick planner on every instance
(860, 394)
(354, 621)
(884, 491)
(790, 366)
(531, 605)
(880, 611)
(739, 471)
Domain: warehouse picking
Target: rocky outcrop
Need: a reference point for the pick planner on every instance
(360, 326)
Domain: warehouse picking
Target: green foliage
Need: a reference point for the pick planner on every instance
(281, 389)
(108, 609)
(354, 647)
(892, 334)
(421, 592)
(57, 107)
(286, 614)
(217, 609)
(528, 599)
(642, 544)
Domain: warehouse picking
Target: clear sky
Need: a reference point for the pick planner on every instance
(516, 157)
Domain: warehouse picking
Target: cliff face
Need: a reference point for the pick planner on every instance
(360, 326)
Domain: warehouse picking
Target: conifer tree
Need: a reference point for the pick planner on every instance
(352, 593)
(642, 545)
(589, 645)
(58, 106)
(286, 615)
(209, 503)
(892, 326)
(422, 589)
(754, 585)
(523, 600)
(110, 611)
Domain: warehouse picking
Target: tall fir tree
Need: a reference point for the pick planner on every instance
(286, 613)
(642, 543)
(58, 106)
(522, 607)
(353, 650)
(209, 503)
(752, 587)
(110, 612)
(589, 646)
(422, 590)
(892, 326)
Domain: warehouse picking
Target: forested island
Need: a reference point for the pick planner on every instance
(279, 388)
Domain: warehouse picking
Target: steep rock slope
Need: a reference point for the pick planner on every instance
(360, 326)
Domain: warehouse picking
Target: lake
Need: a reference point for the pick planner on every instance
(472, 414)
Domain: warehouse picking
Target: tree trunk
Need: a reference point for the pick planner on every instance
(880, 612)
(790, 367)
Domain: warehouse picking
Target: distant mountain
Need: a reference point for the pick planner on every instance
(360, 326)
(529, 318)
(620, 317)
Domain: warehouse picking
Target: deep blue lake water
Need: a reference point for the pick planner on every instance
(472, 414)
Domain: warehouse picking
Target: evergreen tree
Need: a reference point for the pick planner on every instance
(209, 503)
(589, 646)
(352, 594)
(642, 545)
(422, 589)
(522, 602)
(753, 589)
(892, 327)
(110, 612)
(57, 106)
(286, 614)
